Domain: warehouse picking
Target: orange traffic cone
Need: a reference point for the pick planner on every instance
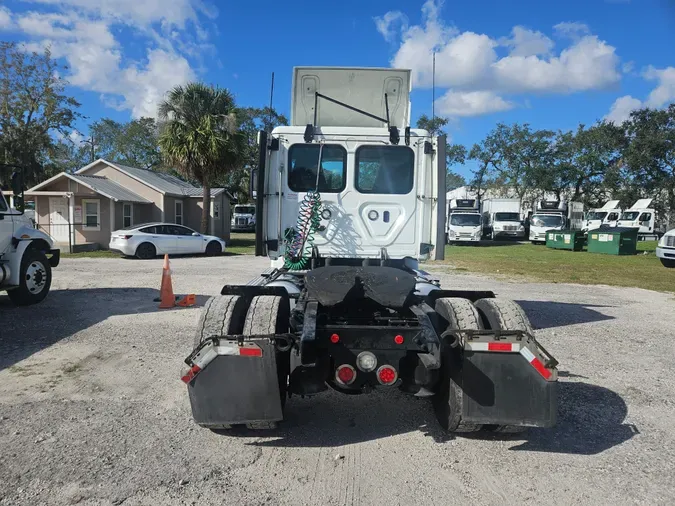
(188, 301)
(166, 296)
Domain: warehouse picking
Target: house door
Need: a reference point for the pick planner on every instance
(59, 228)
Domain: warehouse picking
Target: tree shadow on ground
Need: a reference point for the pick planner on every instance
(590, 421)
(29, 329)
(549, 314)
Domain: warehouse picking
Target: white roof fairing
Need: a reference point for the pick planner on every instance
(361, 88)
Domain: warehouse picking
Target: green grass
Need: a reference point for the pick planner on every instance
(241, 244)
(539, 263)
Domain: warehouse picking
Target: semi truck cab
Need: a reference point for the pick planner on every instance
(608, 215)
(642, 217)
(555, 215)
(243, 218)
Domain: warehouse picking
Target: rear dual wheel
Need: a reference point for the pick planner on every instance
(492, 314)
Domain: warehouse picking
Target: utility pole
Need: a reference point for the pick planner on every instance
(92, 143)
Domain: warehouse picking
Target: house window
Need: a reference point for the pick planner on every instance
(92, 214)
(216, 210)
(179, 212)
(127, 215)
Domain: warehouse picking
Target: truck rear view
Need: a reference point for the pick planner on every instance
(351, 199)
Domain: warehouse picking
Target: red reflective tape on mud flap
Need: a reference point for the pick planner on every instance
(536, 363)
(500, 347)
(209, 352)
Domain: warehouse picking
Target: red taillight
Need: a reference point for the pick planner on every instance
(125, 236)
(345, 374)
(189, 375)
(334, 339)
(387, 375)
(398, 339)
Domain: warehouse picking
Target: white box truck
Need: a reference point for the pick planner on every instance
(555, 215)
(502, 219)
(464, 221)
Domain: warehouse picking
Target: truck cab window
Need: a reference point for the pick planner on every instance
(385, 169)
(302, 164)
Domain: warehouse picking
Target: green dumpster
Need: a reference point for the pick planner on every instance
(565, 239)
(613, 240)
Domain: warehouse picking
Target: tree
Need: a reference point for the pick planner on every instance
(200, 136)
(34, 110)
(455, 153)
(650, 154)
(253, 120)
(134, 143)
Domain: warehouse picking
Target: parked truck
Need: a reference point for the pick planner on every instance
(555, 215)
(243, 218)
(607, 215)
(350, 201)
(464, 221)
(27, 255)
(502, 219)
(642, 217)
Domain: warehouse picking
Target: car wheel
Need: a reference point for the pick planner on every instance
(670, 264)
(146, 251)
(213, 249)
(35, 279)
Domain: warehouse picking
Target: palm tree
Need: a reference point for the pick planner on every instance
(199, 135)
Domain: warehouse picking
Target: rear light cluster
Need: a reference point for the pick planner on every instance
(345, 374)
(335, 338)
(125, 236)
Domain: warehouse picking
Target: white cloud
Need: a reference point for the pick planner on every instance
(388, 24)
(571, 29)
(469, 62)
(5, 18)
(471, 103)
(621, 109)
(525, 42)
(661, 96)
(85, 34)
(664, 93)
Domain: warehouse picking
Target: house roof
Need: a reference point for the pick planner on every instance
(109, 188)
(197, 192)
(99, 184)
(160, 181)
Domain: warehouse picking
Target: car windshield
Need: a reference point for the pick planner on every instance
(596, 216)
(244, 209)
(630, 215)
(542, 220)
(507, 217)
(465, 220)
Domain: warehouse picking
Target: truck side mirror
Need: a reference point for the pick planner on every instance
(253, 184)
(17, 189)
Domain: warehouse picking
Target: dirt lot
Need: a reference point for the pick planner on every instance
(92, 410)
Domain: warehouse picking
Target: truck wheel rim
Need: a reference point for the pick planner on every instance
(36, 277)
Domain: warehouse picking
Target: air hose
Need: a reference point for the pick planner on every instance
(299, 240)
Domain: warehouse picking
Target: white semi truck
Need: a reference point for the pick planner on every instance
(607, 215)
(555, 215)
(642, 217)
(350, 201)
(502, 219)
(27, 255)
(464, 221)
(243, 218)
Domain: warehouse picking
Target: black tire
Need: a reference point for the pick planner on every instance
(670, 264)
(503, 314)
(222, 315)
(146, 251)
(35, 279)
(269, 314)
(456, 313)
(213, 248)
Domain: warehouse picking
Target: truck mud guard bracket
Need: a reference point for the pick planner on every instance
(250, 291)
(471, 295)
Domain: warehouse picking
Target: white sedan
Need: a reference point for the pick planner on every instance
(666, 249)
(152, 239)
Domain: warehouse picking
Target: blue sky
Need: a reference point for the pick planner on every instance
(550, 64)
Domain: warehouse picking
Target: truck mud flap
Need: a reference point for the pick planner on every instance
(508, 381)
(232, 382)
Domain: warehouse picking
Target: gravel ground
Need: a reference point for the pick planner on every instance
(92, 411)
